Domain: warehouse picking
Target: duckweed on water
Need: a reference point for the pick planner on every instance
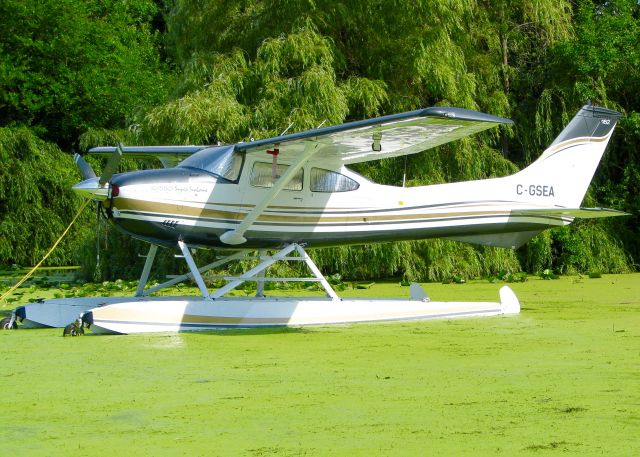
(560, 377)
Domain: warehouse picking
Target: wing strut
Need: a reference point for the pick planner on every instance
(235, 237)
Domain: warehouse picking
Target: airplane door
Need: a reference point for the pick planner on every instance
(261, 177)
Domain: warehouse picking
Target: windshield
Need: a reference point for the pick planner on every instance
(220, 161)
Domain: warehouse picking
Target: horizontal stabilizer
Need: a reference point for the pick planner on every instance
(514, 240)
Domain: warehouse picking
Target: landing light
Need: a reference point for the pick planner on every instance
(114, 190)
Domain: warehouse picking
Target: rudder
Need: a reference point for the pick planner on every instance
(563, 172)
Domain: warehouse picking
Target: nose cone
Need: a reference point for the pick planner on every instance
(91, 188)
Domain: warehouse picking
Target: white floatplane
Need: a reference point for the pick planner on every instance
(293, 192)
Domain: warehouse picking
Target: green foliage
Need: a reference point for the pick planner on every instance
(520, 276)
(290, 83)
(249, 69)
(66, 65)
(588, 245)
(578, 248)
(36, 201)
(602, 63)
(548, 274)
(428, 260)
(111, 255)
(537, 254)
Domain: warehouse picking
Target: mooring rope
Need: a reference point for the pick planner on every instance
(28, 275)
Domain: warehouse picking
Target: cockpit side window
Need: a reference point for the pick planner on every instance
(221, 161)
(330, 181)
(262, 176)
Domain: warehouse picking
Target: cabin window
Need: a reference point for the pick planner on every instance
(221, 161)
(329, 181)
(263, 175)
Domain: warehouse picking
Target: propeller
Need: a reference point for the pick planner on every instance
(96, 189)
(85, 169)
(112, 165)
(92, 186)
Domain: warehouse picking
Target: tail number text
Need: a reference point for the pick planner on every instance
(535, 190)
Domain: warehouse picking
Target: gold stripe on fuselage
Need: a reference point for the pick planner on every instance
(173, 210)
(572, 142)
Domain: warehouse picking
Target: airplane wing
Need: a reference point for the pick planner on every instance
(361, 141)
(381, 137)
(169, 156)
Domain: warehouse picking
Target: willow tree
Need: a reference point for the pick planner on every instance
(36, 201)
(298, 80)
(290, 83)
(65, 66)
(254, 69)
(601, 63)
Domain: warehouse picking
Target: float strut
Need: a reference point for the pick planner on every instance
(261, 274)
(151, 255)
(194, 269)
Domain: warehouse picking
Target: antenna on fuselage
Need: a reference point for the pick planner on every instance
(286, 130)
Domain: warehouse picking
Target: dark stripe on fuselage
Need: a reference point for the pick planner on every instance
(158, 233)
(346, 225)
(177, 212)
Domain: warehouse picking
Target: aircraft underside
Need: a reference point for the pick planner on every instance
(495, 230)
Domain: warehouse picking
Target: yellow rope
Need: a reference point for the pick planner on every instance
(28, 275)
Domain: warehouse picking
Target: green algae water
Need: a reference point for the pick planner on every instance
(561, 377)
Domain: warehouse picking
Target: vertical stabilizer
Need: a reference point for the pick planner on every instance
(562, 174)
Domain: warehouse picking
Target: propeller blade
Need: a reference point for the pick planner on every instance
(85, 168)
(112, 166)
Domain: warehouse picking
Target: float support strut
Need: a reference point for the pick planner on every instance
(151, 255)
(193, 268)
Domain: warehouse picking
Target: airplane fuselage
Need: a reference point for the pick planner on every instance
(320, 207)
(296, 188)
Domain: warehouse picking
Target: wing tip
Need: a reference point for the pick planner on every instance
(464, 114)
